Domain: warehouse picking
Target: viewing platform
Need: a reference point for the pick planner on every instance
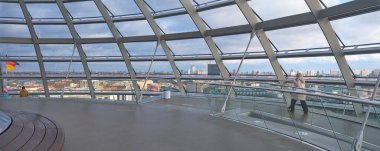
(181, 123)
(24, 131)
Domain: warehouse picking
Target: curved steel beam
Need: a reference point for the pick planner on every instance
(37, 48)
(75, 35)
(120, 44)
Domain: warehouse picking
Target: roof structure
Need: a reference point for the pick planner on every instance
(121, 42)
(239, 57)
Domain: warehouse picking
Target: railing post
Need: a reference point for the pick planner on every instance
(357, 145)
(253, 34)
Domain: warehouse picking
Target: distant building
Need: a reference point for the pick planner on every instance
(154, 87)
(95, 83)
(356, 72)
(234, 72)
(74, 85)
(193, 69)
(292, 72)
(142, 86)
(364, 72)
(375, 72)
(311, 73)
(84, 83)
(213, 69)
(200, 72)
(334, 72)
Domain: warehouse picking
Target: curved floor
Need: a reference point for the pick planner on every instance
(30, 131)
(5, 121)
(160, 126)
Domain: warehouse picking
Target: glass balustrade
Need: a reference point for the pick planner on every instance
(331, 122)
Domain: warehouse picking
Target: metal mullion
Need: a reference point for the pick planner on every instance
(206, 23)
(198, 21)
(77, 43)
(171, 52)
(257, 15)
(323, 4)
(274, 46)
(156, 29)
(352, 72)
(108, 10)
(28, 20)
(150, 7)
(341, 41)
(161, 29)
(121, 46)
(333, 41)
(265, 43)
(196, 2)
(283, 70)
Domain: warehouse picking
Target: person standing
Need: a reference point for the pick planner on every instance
(299, 82)
(5, 92)
(24, 92)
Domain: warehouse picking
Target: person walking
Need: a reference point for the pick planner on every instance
(299, 82)
(24, 92)
(5, 92)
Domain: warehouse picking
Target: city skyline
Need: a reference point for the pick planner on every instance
(300, 37)
(202, 70)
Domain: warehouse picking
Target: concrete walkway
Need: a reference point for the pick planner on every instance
(180, 124)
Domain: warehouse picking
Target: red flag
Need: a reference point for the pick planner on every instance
(10, 65)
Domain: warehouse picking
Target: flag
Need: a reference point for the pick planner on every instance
(10, 65)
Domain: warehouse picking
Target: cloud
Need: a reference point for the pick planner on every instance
(237, 43)
(360, 29)
(57, 50)
(363, 58)
(309, 63)
(93, 30)
(366, 61)
(63, 67)
(39, 10)
(189, 46)
(9, 30)
(106, 49)
(157, 66)
(176, 24)
(107, 67)
(134, 28)
(11, 49)
(11, 10)
(83, 9)
(143, 48)
(52, 31)
(223, 17)
(278, 8)
(122, 7)
(291, 60)
(307, 36)
(249, 65)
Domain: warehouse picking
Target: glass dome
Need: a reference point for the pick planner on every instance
(103, 48)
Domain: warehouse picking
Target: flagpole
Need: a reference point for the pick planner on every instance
(1, 75)
(6, 73)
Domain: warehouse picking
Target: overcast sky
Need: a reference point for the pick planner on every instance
(356, 30)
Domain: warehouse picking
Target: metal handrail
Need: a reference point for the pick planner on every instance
(330, 96)
(361, 90)
(292, 87)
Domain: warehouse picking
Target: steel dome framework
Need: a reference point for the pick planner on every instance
(318, 14)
